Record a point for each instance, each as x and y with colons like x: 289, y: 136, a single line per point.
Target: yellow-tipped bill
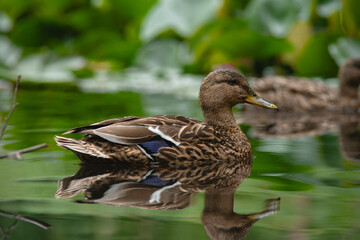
x: 256, y: 100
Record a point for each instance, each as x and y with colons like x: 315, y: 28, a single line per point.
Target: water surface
x: 315, y: 174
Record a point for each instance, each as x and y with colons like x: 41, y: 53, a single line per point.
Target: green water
x: 317, y: 182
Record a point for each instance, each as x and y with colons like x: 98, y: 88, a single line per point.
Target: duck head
x: 228, y: 87
x: 222, y: 89
x: 349, y: 76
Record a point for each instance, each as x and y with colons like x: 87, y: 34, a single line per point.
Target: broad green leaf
x: 304, y: 8
x: 327, y: 7
x: 276, y: 17
x: 37, y: 32
x: 350, y: 18
x: 163, y: 54
x: 315, y: 59
x: 9, y: 53
x: 343, y: 49
x: 14, y: 9
x: 134, y: 9
x: 182, y: 16
x: 247, y: 43
x: 5, y: 22
x: 230, y: 40
x: 104, y: 44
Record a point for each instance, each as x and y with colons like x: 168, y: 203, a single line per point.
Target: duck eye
x: 232, y: 82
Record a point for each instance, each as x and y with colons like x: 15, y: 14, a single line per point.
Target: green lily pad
x: 182, y: 16
x: 343, y: 49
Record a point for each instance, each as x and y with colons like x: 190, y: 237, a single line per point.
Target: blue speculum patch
x: 153, y: 146
x: 155, y: 181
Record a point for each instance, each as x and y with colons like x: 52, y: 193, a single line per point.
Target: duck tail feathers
x: 80, y: 147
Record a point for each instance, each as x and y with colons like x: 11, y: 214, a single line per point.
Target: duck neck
x: 219, y: 200
x: 349, y: 89
x: 349, y: 85
x: 221, y: 116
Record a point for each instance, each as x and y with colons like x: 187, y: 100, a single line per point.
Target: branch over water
x: 13, y: 106
x: 17, y: 154
x: 26, y: 219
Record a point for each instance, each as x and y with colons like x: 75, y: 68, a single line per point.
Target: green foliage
x: 276, y: 17
x: 230, y: 40
x: 343, y: 49
x: 315, y: 58
x: 108, y: 32
x: 151, y: 56
x: 300, y: 35
x: 39, y: 32
x: 184, y: 17
x: 351, y: 18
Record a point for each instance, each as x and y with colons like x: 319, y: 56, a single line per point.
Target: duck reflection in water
x: 349, y: 132
x: 170, y: 187
x: 309, y: 108
x: 294, y: 125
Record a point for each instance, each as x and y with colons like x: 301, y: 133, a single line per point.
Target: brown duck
x: 299, y: 94
x: 172, y: 138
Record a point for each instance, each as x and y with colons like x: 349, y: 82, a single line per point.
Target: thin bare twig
x: 17, y: 154
x: 14, y: 104
x: 26, y: 219
x: 6, y: 233
x: 3, y: 235
x: 12, y: 226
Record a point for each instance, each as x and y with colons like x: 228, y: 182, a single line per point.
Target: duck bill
x: 256, y: 100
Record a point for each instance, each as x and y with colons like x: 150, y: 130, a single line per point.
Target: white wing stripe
x: 156, y: 196
x: 164, y: 136
x: 144, y: 151
x: 146, y: 175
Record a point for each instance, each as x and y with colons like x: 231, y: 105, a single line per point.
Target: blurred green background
x: 140, y: 48
x: 63, y: 40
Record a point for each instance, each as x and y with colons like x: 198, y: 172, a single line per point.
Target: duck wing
x: 100, y: 124
x: 134, y: 130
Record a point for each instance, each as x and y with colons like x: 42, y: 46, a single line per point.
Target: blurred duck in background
x: 300, y: 94
x: 310, y: 108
